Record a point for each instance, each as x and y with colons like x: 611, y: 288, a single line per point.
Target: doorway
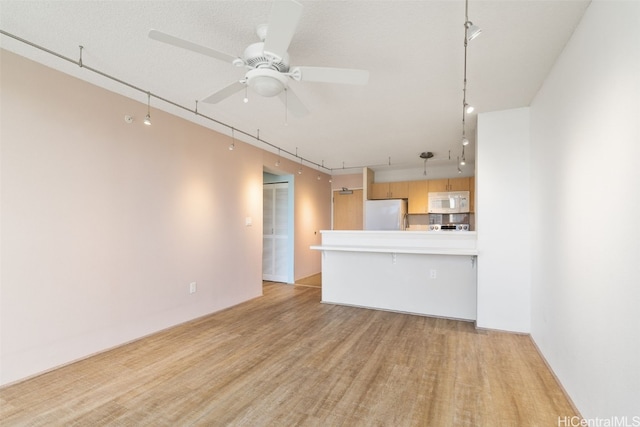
x: 277, y: 228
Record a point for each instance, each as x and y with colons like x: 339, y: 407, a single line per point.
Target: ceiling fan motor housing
x: 255, y: 57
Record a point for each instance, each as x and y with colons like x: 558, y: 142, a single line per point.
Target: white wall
x: 104, y: 224
x: 585, y: 205
x: 502, y: 221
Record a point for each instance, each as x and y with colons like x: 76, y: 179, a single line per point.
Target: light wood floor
x: 314, y: 281
x: 286, y: 359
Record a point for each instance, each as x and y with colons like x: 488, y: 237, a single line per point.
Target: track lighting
x: 147, y: 118
x: 473, y: 31
x: 233, y: 141
x: 300, y: 171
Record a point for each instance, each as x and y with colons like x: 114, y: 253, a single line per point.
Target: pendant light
x: 147, y: 118
x: 232, y: 146
x: 471, y: 31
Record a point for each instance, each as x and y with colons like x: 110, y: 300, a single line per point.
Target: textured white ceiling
x: 413, y: 50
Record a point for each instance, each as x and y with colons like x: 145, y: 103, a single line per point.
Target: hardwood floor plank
x: 286, y: 359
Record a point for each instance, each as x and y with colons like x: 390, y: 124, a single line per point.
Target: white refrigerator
x: 385, y: 214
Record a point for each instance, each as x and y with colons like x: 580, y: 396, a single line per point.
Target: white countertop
x: 409, y: 242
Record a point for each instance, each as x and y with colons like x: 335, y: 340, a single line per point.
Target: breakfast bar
x: 417, y: 272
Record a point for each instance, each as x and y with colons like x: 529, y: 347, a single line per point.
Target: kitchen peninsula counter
x: 420, y: 272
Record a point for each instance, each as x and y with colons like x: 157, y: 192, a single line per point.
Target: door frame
x: 269, y: 177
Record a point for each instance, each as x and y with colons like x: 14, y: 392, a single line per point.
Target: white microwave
x: 449, y: 202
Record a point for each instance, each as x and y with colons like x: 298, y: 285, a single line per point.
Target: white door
x: 275, y: 238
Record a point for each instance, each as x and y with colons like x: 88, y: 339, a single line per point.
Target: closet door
x: 275, y: 228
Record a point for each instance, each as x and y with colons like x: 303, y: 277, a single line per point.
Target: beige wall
x: 349, y: 181
x: 104, y: 224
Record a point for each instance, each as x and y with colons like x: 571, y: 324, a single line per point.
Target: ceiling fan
x: 268, y: 61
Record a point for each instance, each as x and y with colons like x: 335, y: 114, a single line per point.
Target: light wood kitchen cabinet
x: 452, y: 184
x: 418, y: 197
x: 472, y: 194
x: 390, y: 190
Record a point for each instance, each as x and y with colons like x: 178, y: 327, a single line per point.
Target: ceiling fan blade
x: 293, y: 103
x: 283, y: 21
x: 330, y: 75
x: 224, y: 93
x: 185, y: 44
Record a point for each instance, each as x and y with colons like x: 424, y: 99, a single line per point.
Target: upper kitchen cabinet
x: 472, y: 194
x: 390, y: 190
x: 418, y: 197
x: 451, y: 184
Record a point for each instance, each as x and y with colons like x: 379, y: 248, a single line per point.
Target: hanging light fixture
x: 233, y: 141
x: 147, y: 118
x: 426, y: 155
x: 278, y: 161
x: 471, y: 31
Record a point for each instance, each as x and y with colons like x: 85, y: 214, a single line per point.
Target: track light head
x: 147, y: 120
x: 473, y: 30
x: 468, y: 108
x: 465, y: 141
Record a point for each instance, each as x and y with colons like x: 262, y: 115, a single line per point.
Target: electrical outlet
x: 193, y: 287
x: 433, y: 274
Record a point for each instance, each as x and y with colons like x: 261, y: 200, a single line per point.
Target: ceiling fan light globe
x: 266, y: 82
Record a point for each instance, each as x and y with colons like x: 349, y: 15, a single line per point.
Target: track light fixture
x: 147, y: 118
x: 232, y: 146
x: 278, y: 161
x: 471, y: 31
